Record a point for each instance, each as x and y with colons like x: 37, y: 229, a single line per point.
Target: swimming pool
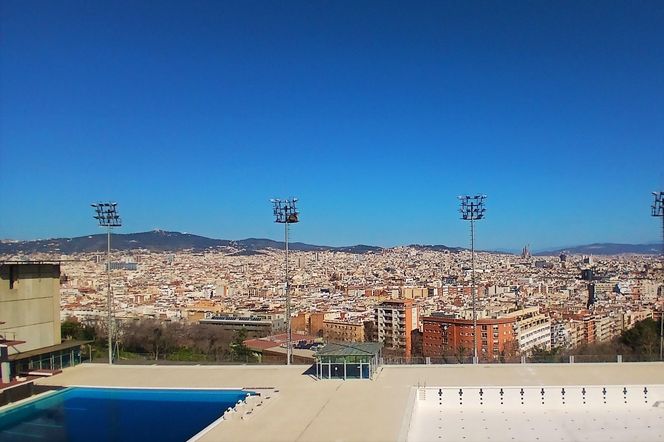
x: 114, y: 414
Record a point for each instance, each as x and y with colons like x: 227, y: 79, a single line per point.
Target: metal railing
x: 226, y: 359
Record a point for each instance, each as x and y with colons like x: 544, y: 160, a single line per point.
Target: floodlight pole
x: 472, y: 285
x: 109, y: 297
x: 289, y: 345
x: 658, y: 211
x: 107, y: 216
x: 285, y: 212
x: 472, y: 209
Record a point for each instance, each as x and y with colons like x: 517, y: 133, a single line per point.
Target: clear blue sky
x: 192, y: 114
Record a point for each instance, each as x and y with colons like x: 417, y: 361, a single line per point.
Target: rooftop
x: 350, y: 349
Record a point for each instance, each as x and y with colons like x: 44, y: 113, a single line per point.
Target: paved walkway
x: 306, y: 409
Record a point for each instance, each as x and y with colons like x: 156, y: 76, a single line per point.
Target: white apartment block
x: 533, y: 329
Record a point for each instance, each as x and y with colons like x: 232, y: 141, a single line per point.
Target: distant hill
x: 164, y: 241
x: 436, y: 248
x: 157, y: 240
x: 605, y: 249
x: 160, y: 240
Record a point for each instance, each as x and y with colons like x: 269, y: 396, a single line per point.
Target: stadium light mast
x: 107, y: 216
x: 658, y: 210
x: 286, y: 213
x: 472, y: 209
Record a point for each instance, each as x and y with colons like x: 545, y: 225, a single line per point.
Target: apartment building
x: 395, y: 320
x: 582, y: 330
x: 630, y: 318
x: 309, y: 323
x: 577, y: 333
x: 501, y: 331
x: 606, y: 328
x: 414, y: 292
x: 560, y: 335
x: 342, y: 331
x: 449, y: 335
x: 533, y: 329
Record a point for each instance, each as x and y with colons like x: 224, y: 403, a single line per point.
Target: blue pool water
x: 116, y: 414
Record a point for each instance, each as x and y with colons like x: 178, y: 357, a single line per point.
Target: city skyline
x: 376, y: 116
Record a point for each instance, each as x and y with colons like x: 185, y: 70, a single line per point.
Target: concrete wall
x: 30, y: 309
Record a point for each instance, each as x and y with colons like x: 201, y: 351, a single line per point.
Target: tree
x: 510, y: 351
x: 541, y: 354
x: 416, y: 349
x: 239, y: 350
x: 643, y: 338
x: 461, y: 353
x: 72, y: 329
x: 370, y: 331
x: 147, y: 336
x: 210, y: 339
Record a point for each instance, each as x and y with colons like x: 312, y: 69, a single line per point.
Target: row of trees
x: 158, y: 340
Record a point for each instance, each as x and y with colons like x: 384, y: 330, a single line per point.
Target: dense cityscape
x: 537, y: 303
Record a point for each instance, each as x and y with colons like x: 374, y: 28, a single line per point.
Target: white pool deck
x: 392, y: 407
x: 588, y: 413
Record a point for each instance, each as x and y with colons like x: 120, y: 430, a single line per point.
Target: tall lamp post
x: 107, y: 216
x: 658, y: 210
x: 472, y: 209
x: 286, y: 213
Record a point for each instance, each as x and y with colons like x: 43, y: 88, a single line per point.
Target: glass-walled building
x: 350, y: 360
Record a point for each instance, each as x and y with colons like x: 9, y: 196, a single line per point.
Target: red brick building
x: 445, y: 336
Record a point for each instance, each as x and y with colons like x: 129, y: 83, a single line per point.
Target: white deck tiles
x: 592, y: 413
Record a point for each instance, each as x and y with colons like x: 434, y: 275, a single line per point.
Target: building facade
x: 255, y: 325
x: 30, y: 305
x: 449, y: 336
x: 533, y: 329
x: 395, y: 320
x: 343, y: 331
x: 30, y: 338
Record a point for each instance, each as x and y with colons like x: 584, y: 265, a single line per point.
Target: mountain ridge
x: 165, y: 241
x: 162, y: 240
x: 604, y: 249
